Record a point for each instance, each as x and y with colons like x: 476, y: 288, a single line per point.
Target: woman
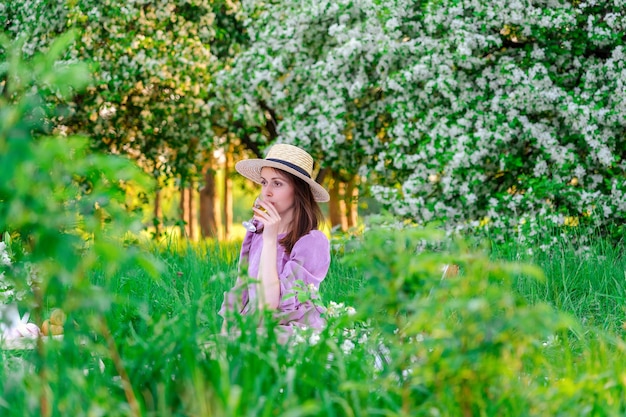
x: 286, y: 254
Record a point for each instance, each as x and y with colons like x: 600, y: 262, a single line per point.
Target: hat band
x: 290, y: 165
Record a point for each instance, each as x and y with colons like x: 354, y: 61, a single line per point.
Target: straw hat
x: 288, y: 158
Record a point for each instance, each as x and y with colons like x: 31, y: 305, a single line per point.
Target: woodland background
x: 511, y: 114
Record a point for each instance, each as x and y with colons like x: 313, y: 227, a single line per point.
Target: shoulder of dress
x: 316, y: 234
x: 315, y: 238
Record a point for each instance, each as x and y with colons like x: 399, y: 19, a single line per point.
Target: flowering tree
x: 149, y: 71
x: 462, y: 111
x: 152, y: 63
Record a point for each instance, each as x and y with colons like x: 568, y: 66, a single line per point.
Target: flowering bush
x: 11, y: 289
x: 496, y: 112
x: 446, y: 344
x: 6, y: 288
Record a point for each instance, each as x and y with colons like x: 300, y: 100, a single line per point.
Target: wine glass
x: 248, y: 224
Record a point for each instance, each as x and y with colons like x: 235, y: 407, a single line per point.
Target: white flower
x: 334, y: 309
x: 314, y: 339
x: 552, y: 340
x: 298, y: 339
x: 349, y: 333
x: 107, y: 111
x: 347, y: 346
x: 4, y: 256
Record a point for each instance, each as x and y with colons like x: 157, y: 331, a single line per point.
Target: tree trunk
x: 228, y: 195
x: 183, y: 207
x: 334, y: 206
x: 191, y: 211
x: 342, y: 206
x: 209, y: 204
x: 352, y: 202
x: 157, y: 214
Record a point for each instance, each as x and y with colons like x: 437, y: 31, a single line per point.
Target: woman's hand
x: 267, y: 214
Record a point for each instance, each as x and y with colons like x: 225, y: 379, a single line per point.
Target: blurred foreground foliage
x: 407, y: 343
x: 62, y: 213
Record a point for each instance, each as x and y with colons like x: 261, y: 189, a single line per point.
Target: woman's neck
x: 286, y: 222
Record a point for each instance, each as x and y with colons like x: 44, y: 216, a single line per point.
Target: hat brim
x: 251, y: 169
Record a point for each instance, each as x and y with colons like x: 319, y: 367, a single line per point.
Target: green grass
x: 497, y: 340
x: 588, y: 281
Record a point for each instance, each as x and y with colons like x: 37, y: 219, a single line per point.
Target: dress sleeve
x: 308, y: 262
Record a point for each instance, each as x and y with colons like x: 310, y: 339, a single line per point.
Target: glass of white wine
x: 248, y: 225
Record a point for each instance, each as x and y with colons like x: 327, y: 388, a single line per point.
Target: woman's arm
x: 268, y: 289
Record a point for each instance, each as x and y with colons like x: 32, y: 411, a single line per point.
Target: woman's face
x: 277, y: 189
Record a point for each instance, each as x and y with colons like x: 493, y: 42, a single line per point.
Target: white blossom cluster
x: 151, y: 65
x: 26, y: 18
x: 6, y: 288
x: 347, y: 337
x: 8, y: 291
x: 474, y: 112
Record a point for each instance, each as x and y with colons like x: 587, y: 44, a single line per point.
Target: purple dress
x: 306, y: 265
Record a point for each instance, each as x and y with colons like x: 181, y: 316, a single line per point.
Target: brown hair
x: 307, y: 214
